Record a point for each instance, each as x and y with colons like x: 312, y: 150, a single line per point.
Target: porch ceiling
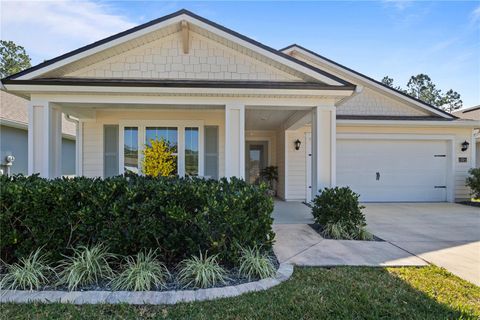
x: 266, y: 119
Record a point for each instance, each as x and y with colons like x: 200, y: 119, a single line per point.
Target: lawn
x: 311, y: 293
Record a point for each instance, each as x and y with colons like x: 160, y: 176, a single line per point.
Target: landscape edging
x: 284, y: 272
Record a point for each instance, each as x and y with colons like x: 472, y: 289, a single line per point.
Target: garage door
x: 393, y: 170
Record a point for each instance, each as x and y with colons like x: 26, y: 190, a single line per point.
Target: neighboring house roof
x: 36, y: 71
x: 368, y: 79
x: 14, y: 113
x: 472, y: 113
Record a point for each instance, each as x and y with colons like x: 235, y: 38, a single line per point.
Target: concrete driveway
x: 445, y: 234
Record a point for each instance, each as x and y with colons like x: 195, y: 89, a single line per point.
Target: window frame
x: 180, y: 125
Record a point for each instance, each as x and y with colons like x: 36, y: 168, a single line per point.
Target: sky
x: 376, y: 38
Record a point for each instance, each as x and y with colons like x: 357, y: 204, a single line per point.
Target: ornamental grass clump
x: 87, y: 266
x: 254, y: 264
x: 201, y: 272
x: 142, y: 272
x: 30, y: 273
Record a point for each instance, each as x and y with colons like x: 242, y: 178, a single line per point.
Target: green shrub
x: 255, y: 264
x: 177, y: 216
x: 201, y: 272
x: 30, y: 273
x: 473, y: 182
x: 336, y: 230
x: 142, y: 272
x: 338, y: 211
x: 87, y: 266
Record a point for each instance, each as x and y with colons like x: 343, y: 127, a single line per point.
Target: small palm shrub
x: 201, y: 272
x: 338, y: 211
x: 86, y: 267
x: 30, y: 273
x: 255, y: 264
x: 473, y: 182
x: 363, y: 234
x: 142, y: 272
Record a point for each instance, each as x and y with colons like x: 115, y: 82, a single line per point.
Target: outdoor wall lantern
x: 465, y: 145
x: 297, y: 144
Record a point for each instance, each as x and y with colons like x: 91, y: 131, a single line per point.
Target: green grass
x: 311, y: 293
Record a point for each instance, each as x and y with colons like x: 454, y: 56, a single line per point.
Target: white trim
x: 410, y: 123
x: 241, y: 144
x: 28, y: 88
x: 367, y: 81
x: 47, y: 149
x: 179, y: 124
x: 285, y: 156
x: 308, y: 164
x: 473, y: 150
x: 79, y: 143
x: 178, y: 19
x: 400, y: 136
x: 333, y: 148
x: 275, y: 102
x: 30, y: 138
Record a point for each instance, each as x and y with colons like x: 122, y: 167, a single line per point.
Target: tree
x: 387, y: 81
x: 451, y: 101
x: 13, y: 58
x: 423, y: 88
x: 158, y: 159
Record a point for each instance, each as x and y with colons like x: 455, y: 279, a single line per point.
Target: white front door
x: 308, y: 157
x: 394, y: 170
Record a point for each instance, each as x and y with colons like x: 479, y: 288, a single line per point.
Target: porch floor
x: 291, y: 212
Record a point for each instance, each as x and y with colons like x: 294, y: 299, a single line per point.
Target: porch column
x: 323, y: 147
x: 44, y: 139
x: 235, y: 140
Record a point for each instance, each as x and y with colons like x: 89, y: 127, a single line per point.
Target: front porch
x: 214, y: 137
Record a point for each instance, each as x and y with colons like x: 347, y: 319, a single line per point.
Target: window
x: 191, y: 151
x: 130, y: 149
x: 169, y: 134
x: 186, y: 138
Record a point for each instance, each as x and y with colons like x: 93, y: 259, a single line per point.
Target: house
x: 14, y: 136
x: 231, y: 105
x: 472, y: 113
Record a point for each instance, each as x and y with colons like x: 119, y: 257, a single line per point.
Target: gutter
x: 411, y: 123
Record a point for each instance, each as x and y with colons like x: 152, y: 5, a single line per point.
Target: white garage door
x: 394, y: 170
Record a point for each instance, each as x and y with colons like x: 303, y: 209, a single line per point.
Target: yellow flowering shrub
x: 158, y: 159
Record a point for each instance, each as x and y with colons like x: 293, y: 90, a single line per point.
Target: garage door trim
x: 450, y: 139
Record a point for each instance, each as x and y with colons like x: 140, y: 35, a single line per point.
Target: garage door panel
x: 407, y: 170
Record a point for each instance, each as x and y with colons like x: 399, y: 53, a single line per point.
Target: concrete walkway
x: 292, y: 212
x: 445, y: 234
x: 301, y: 245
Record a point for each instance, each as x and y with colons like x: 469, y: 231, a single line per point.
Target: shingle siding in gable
x: 164, y: 59
x: 371, y: 103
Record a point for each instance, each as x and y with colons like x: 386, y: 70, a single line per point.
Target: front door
x: 256, y: 160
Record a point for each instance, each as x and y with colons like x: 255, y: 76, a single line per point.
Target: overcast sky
x: 377, y: 38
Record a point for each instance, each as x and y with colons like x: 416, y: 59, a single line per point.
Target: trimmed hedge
x: 179, y: 217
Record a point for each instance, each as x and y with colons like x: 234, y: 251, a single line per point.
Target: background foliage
x: 179, y: 217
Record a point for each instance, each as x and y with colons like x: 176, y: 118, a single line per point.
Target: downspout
x: 78, y: 144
